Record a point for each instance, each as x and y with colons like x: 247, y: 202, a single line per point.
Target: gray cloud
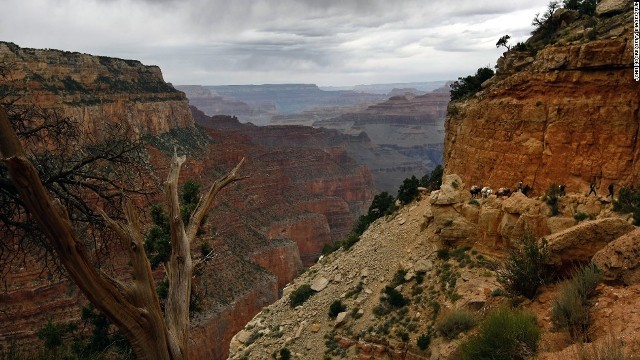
x: 330, y: 42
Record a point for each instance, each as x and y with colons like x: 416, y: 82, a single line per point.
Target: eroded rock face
x: 95, y: 90
x: 569, y: 115
x: 578, y: 244
x: 619, y: 260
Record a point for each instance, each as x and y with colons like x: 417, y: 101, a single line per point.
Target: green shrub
x: 551, y: 195
x: 455, y: 322
x: 474, y: 202
x: 443, y: 254
x: 408, y: 191
x: 403, y: 335
x: 581, y: 216
x: 525, y: 268
x: 395, y: 298
x: 336, y: 308
x: 423, y: 341
x: 469, y: 85
x: 505, y: 334
x: 570, y: 308
x: 285, y: 354
x: 300, y: 295
x: 628, y: 202
x: 433, y: 181
x: 398, y: 278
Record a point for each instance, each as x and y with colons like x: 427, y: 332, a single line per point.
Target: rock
x: 559, y: 223
x: 300, y: 328
x: 578, y: 244
x: 611, y: 7
x: 451, y: 192
x: 340, y: 319
x: 518, y: 203
x: 423, y: 266
x: 409, y: 275
x: 337, y: 278
x: 243, y: 336
x: 319, y: 283
x: 620, y: 259
x: 315, y: 327
x: 401, y: 221
x: 364, y: 273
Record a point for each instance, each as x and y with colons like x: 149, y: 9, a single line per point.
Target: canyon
x: 562, y: 108
x: 299, y: 197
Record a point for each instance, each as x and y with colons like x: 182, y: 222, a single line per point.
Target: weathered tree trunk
x: 134, y: 307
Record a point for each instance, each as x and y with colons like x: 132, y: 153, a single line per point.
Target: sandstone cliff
x: 93, y: 89
x: 566, y: 114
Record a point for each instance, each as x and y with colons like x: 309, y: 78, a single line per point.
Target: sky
x: 325, y: 42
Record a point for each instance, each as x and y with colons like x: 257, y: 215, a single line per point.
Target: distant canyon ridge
x: 397, y: 129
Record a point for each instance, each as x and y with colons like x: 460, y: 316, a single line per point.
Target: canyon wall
x: 407, y: 133
x: 568, y: 114
x: 264, y: 230
x: 94, y: 90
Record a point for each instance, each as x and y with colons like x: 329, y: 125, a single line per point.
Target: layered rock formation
x: 568, y: 114
x: 407, y: 132
x: 94, y: 90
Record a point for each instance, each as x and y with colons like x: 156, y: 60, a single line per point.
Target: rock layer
x: 568, y: 115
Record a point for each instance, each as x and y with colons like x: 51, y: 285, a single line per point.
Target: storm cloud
x: 327, y: 42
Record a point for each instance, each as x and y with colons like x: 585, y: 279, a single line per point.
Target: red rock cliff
x: 569, y: 114
x: 94, y: 89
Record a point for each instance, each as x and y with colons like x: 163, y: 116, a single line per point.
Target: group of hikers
x: 526, y: 190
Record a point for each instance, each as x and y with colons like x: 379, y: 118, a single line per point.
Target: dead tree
x: 134, y: 307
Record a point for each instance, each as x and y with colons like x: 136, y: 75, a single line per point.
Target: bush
x: 395, y: 298
x: 611, y: 349
x: 628, y: 202
x: 285, y: 354
x: 525, y: 268
x: 581, y: 216
x: 455, y: 322
x: 433, y: 181
x: 505, y: 334
x: 423, y: 341
x: 300, y: 295
x: 551, y: 196
x: 336, y: 308
x: 570, y: 308
x: 585, y: 7
x: 469, y: 85
x: 408, y: 191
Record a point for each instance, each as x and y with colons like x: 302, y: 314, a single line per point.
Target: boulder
x: 340, y: 319
x: 558, y: 223
x: 319, y: 283
x: 620, y: 259
x: 578, y: 244
x: 518, y: 203
x: 451, y: 191
x: 611, y: 7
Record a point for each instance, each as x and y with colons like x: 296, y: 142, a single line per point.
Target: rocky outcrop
x: 619, y: 261
x: 94, y: 90
x: 568, y: 115
x: 578, y: 244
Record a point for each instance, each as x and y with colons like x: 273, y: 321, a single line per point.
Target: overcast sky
x: 326, y: 42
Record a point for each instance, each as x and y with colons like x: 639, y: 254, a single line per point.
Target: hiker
x: 592, y: 189
x: 519, y: 186
x: 562, y: 189
x: 611, y: 190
